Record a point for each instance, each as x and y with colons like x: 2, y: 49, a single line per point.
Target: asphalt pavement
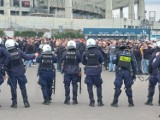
x: 57, y: 110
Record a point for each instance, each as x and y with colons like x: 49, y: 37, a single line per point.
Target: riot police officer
x: 154, y: 67
x: 92, y: 59
x: 125, y: 70
x: 5, y: 58
x: 4, y: 61
x: 46, y: 72
x: 16, y: 72
x: 71, y: 59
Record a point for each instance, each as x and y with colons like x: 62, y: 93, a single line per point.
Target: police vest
x: 71, y: 57
x: 16, y: 59
x: 47, y: 61
x: 92, y: 58
x: 124, y: 61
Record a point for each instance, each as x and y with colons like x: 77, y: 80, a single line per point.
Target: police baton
x: 54, y: 82
x: 159, y: 94
x: 79, y: 80
x: 10, y: 83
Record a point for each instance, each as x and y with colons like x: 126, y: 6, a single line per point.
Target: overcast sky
x: 152, y: 1
x: 151, y: 5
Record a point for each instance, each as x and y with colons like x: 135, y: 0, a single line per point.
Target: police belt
x: 95, y: 66
x: 47, y: 69
x: 123, y: 68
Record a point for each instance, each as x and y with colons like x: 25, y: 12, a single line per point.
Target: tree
x: 28, y: 34
x: 2, y: 33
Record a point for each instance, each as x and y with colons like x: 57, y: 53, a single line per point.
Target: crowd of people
x: 126, y: 58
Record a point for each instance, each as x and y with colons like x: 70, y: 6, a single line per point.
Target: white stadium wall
x: 49, y: 23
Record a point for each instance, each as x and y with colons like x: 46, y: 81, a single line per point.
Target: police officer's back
x: 154, y: 68
x: 16, y: 72
x: 5, y: 58
x: 92, y: 59
x: 4, y: 61
x: 46, y: 72
x: 125, y: 70
x: 70, y: 60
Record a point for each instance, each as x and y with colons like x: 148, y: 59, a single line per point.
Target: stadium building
x: 74, y: 14
x: 75, y: 8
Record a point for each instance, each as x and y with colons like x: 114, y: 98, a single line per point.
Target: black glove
x: 134, y: 77
x: 3, y: 69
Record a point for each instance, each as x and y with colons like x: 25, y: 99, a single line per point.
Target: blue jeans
x: 59, y: 64
x: 145, y: 64
x: 111, y: 65
x: 28, y: 63
x: 139, y: 67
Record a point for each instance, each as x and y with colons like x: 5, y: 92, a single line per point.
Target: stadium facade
x: 72, y: 14
x: 73, y: 8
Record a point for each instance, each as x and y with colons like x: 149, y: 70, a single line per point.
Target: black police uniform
x: 5, y: 58
x: 71, y: 59
x: 125, y: 70
x: 46, y: 72
x: 154, y: 71
x: 16, y: 72
x: 92, y: 59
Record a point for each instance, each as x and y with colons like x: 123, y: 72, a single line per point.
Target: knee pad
x: 129, y: 91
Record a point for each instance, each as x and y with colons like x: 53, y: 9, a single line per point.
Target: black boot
x: 100, y: 103
x: 149, y: 102
x: 14, y: 104
x: 114, y: 103
x: 46, y: 102
x: 75, y: 102
x: 49, y: 100
x: 91, y: 104
x: 67, y: 93
x: 130, y: 101
x: 116, y: 96
x: 67, y: 102
x: 26, y: 104
x: 151, y: 90
x: 99, y: 96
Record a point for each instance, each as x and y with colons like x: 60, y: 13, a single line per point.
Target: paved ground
x: 58, y: 111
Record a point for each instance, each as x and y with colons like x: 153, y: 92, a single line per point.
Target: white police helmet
x: 10, y: 43
x: 71, y: 44
x: 41, y: 46
x: 91, y: 43
x: 46, y: 47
